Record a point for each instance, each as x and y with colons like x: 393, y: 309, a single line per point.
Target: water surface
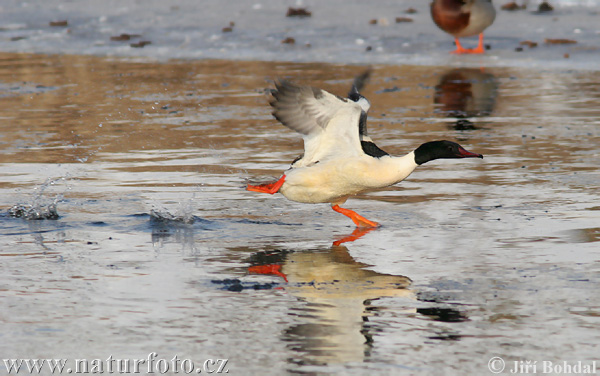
x: 158, y: 248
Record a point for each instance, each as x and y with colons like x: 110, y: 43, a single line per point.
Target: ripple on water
x: 159, y: 245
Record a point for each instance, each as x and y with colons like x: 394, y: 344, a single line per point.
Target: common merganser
x: 464, y: 18
x: 340, y: 160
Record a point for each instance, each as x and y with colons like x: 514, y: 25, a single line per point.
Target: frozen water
x: 338, y: 32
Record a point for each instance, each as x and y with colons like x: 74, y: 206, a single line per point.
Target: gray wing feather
x: 303, y: 108
x: 328, y: 123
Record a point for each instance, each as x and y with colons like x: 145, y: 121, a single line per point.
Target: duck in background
x: 464, y: 18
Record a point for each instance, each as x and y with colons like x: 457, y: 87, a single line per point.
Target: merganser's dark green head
x: 442, y: 150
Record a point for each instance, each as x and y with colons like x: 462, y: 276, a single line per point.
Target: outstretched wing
x: 328, y: 123
x: 360, y: 82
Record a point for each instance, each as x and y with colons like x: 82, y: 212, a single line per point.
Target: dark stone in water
x: 61, y: 23
x: 443, y: 314
x: 237, y: 287
x: 390, y: 90
x: 545, y: 7
x: 226, y: 281
x: 263, y: 286
x: 298, y: 12
x: 234, y: 284
x: 140, y: 44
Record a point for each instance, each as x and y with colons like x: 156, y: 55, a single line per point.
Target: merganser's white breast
x: 336, y: 179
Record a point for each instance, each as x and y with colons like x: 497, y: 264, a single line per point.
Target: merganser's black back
x: 368, y: 146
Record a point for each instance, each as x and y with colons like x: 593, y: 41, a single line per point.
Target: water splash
x: 183, y: 213
x: 34, y: 212
x: 162, y: 215
x: 41, y: 206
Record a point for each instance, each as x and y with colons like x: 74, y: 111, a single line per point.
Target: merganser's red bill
x: 464, y: 153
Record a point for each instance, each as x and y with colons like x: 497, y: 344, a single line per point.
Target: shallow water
x: 158, y: 247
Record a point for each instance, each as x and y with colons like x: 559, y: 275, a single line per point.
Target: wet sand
x: 158, y: 247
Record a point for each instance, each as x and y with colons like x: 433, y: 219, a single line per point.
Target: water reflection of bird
x: 464, y: 18
x: 340, y: 160
x: 465, y: 93
x: 333, y: 325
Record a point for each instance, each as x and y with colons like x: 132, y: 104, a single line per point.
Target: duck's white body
x: 334, y: 179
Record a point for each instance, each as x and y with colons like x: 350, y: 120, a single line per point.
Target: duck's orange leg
x: 479, y: 49
x: 461, y: 50
x: 270, y: 188
x: 359, y: 220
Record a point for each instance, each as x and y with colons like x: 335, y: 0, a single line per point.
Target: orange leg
x: 479, y: 49
x: 357, y: 219
x: 358, y: 233
x: 461, y: 50
x: 270, y: 188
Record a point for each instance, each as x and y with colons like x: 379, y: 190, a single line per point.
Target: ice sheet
x: 337, y: 31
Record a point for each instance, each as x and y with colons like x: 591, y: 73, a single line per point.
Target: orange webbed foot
x: 270, y: 188
x: 461, y: 50
x: 468, y: 51
x: 358, y: 220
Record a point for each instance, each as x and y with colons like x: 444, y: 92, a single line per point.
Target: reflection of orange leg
x: 271, y: 269
x: 358, y: 233
x: 357, y: 219
x: 269, y: 188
